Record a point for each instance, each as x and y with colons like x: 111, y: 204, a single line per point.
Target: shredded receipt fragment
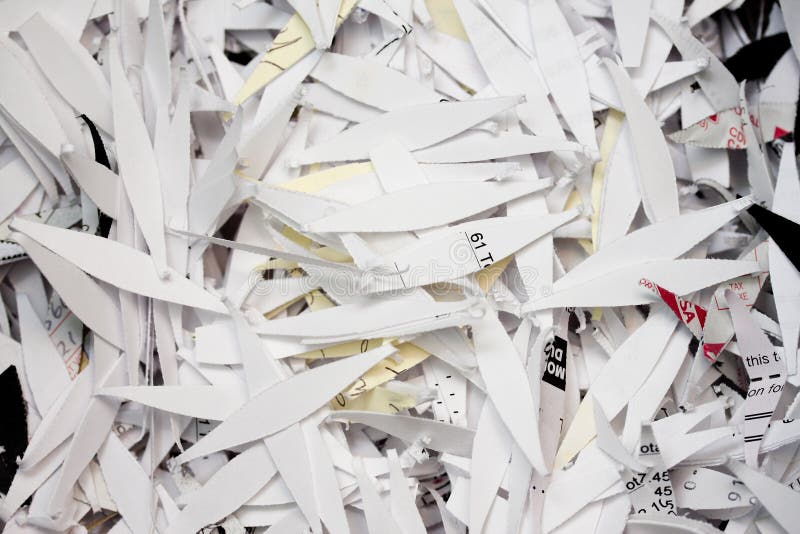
x: 399, y: 266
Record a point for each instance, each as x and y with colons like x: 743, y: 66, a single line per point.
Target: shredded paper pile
x: 399, y: 266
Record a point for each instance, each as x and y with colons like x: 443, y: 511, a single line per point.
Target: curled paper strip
x: 399, y: 266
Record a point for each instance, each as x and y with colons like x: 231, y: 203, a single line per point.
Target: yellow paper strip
x: 348, y: 348
x: 611, y: 131
x: 311, y: 183
x: 326, y: 253
x: 276, y: 263
x: 446, y: 19
x: 487, y: 276
x: 271, y: 314
x: 409, y: 356
x: 291, y: 45
x: 379, y: 400
x: 580, y: 433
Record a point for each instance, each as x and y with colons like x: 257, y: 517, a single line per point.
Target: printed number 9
x: 476, y: 237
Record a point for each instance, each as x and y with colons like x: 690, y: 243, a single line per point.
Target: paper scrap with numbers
x: 399, y: 267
